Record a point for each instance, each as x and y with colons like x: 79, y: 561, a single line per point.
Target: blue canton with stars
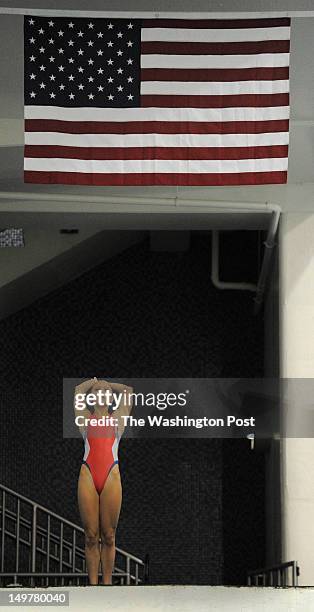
x: 82, y: 62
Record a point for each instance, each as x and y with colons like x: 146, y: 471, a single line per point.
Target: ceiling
x: 212, y: 6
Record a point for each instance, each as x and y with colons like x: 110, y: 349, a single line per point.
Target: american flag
x: 156, y: 102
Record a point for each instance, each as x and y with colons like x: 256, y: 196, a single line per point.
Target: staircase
x: 281, y: 575
x: 40, y: 548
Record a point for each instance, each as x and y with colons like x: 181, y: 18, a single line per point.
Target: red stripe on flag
x: 176, y: 153
x: 216, y: 48
x: 217, y: 179
x: 228, y: 24
x: 215, y: 74
x: 224, y: 101
x: 156, y: 127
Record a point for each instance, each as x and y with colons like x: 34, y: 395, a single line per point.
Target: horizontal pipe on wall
x: 173, y: 201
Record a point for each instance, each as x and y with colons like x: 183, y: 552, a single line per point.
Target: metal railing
x: 281, y: 575
x: 40, y: 548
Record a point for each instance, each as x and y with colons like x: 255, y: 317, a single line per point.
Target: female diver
x: 99, y: 484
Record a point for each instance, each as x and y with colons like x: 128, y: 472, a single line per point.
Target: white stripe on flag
x: 214, y: 88
x: 156, y: 140
x: 255, y: 60
x: 157, y: 114
x: 156, y: 166
x: 212, y: 35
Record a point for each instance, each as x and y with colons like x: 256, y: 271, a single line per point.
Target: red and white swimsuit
x: 101, y: 452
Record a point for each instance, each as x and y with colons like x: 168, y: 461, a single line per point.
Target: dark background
x: 197, y: 506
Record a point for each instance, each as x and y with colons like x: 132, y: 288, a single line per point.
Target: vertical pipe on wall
x: 240, y: 286
x: 269, y: 246
x: 275, y: 211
